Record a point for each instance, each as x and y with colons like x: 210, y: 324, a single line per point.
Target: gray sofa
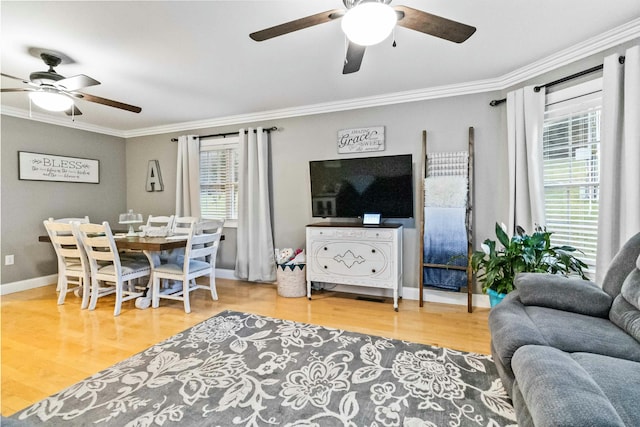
x: 568, y: 351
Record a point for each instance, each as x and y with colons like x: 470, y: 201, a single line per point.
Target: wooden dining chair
x: 158, y: 225
x: 209, y: 226
x: 199, y: 260
x: 184, y: 224
x: 68, y: 220
x: 73, y: 265
x: 107, y: 267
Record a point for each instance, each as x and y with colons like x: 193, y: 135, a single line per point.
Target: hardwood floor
x: 47, y: 347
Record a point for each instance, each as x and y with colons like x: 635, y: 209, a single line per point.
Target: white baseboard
x: 223, y: 273
x: 23, y: 285
x: 444, y: 297
x: 430, y: 295
x: 38, y: 282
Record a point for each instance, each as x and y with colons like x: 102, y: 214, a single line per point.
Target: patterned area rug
x: 248, y: 370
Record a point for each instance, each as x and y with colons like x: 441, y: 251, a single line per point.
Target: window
x: 571, y: 146
x: 219, y: 179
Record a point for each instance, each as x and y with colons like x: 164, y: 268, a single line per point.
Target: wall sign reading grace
x: 48, y: 167
x: 361, y: 139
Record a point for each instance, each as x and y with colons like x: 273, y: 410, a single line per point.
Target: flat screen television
x: 347, y: 188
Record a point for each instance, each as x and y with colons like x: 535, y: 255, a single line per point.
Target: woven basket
x: 291, y: 280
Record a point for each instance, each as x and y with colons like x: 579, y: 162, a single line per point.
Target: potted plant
x: 496, y: 268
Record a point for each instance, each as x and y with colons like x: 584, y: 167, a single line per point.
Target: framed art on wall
x: 361, y: 140
x: 49, y: 167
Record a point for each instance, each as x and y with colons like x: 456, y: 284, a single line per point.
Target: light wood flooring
x: 47, y: 347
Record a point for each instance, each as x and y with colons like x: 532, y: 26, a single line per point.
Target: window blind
x: 219, y: 179
x: 571, y: 148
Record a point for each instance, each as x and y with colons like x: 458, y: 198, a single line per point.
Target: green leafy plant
x: 496, y: 268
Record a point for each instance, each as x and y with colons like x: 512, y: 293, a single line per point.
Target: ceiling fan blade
x: 105, y: 101
x: 75, y: 112
x: 352, y: 62
x: 16, y: 78
x: 298, y: 24
x: 24, y: 89
x: 76, y: 82
x: 434, y: 25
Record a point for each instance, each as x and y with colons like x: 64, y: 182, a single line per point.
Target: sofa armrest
x: 563, y: 293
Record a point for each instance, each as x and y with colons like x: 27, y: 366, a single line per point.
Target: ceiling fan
x: 54, y: 92
x: 372, y: 16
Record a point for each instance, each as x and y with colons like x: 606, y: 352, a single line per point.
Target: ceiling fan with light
x: 52, y: 91
x: 369, y: 22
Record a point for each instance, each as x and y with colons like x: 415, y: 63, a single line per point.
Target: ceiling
x: 192, y: 64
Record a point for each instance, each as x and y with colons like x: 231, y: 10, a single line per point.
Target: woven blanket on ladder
x: 445, y: 229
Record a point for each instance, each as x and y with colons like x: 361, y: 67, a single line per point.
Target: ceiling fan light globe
x: 369, y: 23
x: 52, y: 101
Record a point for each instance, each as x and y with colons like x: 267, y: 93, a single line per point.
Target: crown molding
x: 592, y: 46
x: 327, y: 107
x: 59, y: 121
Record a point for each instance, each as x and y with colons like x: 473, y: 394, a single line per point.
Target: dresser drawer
x: 379, y: 234
x: 350, y: 233
x: 321, y: 232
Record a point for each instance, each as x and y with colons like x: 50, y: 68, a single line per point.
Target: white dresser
x: 350, y: 254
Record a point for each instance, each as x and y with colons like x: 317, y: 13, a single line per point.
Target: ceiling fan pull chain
x: 394, y: 37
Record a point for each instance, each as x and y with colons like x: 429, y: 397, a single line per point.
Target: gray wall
x: 25, y: 204
x: 301, y: 139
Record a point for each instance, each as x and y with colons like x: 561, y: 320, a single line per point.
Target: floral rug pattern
x: 239, y: 369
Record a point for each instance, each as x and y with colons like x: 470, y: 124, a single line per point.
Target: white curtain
x: 188, y: 176
x: 525, y: 115
x: 619, y: 216
x: 254, y: 258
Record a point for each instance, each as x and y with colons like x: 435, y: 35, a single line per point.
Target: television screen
x: 347, y: 188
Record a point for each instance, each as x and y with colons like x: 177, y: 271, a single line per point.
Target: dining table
x: 149, y: 246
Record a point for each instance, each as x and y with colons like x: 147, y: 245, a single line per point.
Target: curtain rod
x: 496, y: 102
x: 224, y: 135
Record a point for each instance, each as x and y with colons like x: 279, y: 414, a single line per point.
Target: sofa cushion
x: 626, y: 316
x: 514, y: 325
x: 619, y: 380
x: 559, y: 392
x: 625, y: 310
x: 563, y: 293
x: 576, y: 332
x: 631, y: 288
x: 621, y: 265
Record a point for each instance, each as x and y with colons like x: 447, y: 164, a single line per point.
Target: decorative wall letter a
x: 154, y: 177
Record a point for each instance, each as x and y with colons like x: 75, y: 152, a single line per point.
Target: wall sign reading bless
x: 48, y: 167
x: 361, y: 139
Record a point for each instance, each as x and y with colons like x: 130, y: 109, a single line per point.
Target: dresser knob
x: 373, y: 251
x: 325, y: 248
x: 373, y: 270
x: 326, y: 266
